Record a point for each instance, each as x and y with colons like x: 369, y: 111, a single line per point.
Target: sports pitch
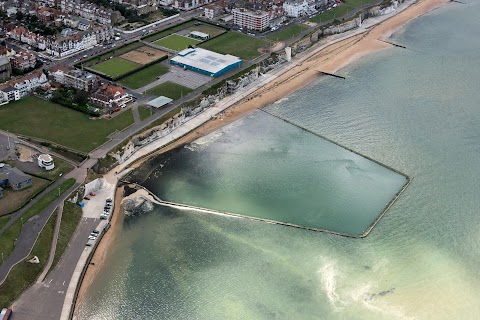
x: 176, y: 42
x: 115, y: 66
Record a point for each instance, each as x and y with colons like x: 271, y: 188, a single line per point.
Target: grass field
x: 213, y: 31
x: 115, y: 67
x: 145, y: 112
x: 334, y: 13
x: 114, y: 52
x: 70, y: 218
x: 7, y: 238
x: 32, y: 116
x: 237, y: 44
x: 176, y: 42
x: 144, y: 76
x: 13, y: 200
x: 287, y: 33
x: 24, y: 274
x: 161, y: 34
x: 169, y: 89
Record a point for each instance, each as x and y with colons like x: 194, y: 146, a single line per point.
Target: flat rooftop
x: 204, y: 59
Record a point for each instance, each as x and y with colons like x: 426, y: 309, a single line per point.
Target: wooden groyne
x: 393, y: 44
x: 331, y: 74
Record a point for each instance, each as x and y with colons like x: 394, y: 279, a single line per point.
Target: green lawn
x: 7, y: 238
x: 213, y: 31
x: 357, y: 3
x: 145, y: 112
x: 287, y: 33
x: 35, y: 117
x: 25, y: 274
x: 144, y: 76
x: 169, y: 89
x: 114, y: 52
x: 161, y: 34
x: 334, y: 13
x: 115, y: 67
x: 237, y: 44
x: 71, y: 216
x: 176, y: 42
x: 61, y: 167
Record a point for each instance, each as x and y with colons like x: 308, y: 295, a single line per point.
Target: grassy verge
x: 25, y: 274
x: 169, y: 89
x: 4, y: 221
x: 13, y: 200
x: 145, y: 112
x: 70, y: 218
x: 7, y: 238
x: 34, y: 117
x: 334, y: 13
x: 144, y: 76
x: 287, y: 33
x: 237, y: 44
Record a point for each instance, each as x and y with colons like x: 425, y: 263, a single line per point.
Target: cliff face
x: 137, y: 203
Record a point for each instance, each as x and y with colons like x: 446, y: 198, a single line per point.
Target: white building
x: 46, y: 161
x: 250, y: 20
x: 3, y: 98
x: 295, y: 8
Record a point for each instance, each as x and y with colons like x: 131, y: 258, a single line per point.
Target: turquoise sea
x: 416, y: 110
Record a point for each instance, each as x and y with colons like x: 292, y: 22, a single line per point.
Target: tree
x: 19, y: 15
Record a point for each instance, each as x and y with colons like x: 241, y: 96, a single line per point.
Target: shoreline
x: 331, y: 58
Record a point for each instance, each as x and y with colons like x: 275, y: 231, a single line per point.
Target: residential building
x: 13, y: 177
x: 6, y: 52
x: 47, y: 14
x: 250, y: 20
x: 212, y: 11
x: 82, y: 80
x: 91, y: 11
x: 23, y: 60
x: 3, y: 98
x: 5, y: 68
x: 26, y: 84
x: 189, y: 4
x: 295, y: 8
x: 13, y: 94
x: 77, y: 23
x: 110, y: 96
x: 142, y: 6
x: 103, y: 33
x: 65, y: 45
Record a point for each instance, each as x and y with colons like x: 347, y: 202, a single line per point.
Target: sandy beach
x: 330, y: 59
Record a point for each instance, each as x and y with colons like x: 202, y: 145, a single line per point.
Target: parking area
x: 95, y: 206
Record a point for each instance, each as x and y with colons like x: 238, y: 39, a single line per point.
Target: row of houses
x: 68, y: 42
x: 23, y: 86
x: 91, y: 11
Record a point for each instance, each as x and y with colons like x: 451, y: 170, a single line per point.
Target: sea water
x: 261, y: 166
x: 417, y: 110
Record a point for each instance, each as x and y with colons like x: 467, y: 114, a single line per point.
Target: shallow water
x: 416, y: 110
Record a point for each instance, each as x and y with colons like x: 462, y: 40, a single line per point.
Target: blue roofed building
x: 13, y: 177
x: 206, y: 62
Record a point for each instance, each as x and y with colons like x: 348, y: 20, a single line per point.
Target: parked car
x: 92, y: 194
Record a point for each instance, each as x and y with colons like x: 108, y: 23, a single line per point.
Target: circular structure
x: 46, y: 161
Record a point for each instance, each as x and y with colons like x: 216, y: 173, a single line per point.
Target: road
x: 44, y: 301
